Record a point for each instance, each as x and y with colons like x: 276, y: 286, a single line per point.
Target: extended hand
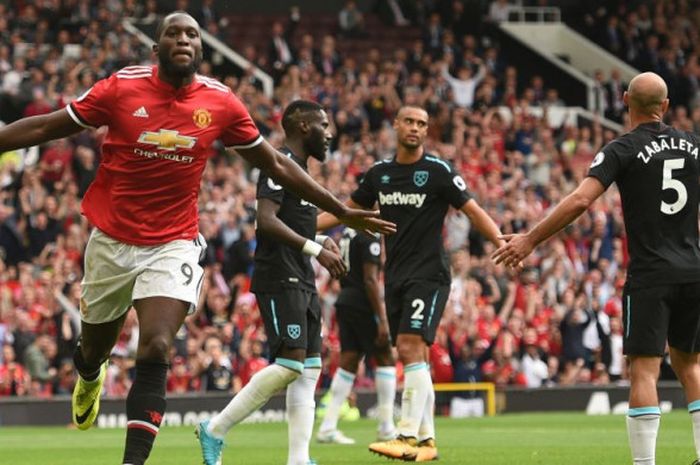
x: 332, y: 262
x: 367, y: 221
x: 516, y: 248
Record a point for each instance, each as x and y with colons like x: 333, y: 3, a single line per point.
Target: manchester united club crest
x: 201, y: 118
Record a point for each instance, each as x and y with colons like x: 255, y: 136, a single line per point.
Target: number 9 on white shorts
x: 116, y: 274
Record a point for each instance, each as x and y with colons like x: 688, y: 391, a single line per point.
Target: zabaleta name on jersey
x: 666, y: 143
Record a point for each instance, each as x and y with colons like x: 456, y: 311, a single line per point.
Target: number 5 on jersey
x: 669, y: 183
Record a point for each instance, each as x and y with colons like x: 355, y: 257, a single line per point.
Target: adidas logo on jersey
x: 140, y: 113
x: 400, y: 198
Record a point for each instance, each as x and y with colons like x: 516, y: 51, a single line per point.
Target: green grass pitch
x: 514, y: 439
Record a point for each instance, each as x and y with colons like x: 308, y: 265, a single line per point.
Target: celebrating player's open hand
x: 367, y: 221
x: 516, y: 248
x: 332, y: 261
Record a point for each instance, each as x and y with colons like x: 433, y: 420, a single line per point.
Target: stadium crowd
x: 651, y: 36
x: 556, y: 322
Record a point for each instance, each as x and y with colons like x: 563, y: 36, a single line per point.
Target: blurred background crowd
x: 558, y: 322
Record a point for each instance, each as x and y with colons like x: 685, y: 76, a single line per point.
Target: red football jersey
x: 146, y: 188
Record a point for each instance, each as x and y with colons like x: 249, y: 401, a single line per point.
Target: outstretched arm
x: 327, y: 221
x: 287, y: 173
x: 520, y: 246
x: 35, y: 130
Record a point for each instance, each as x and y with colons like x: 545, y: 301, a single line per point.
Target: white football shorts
x: 116, y: 274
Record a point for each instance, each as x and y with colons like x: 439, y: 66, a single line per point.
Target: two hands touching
x: 513, y: 250
x: 330, y: 259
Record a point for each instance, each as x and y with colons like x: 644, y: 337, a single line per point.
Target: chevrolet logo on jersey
x: 166, y: 139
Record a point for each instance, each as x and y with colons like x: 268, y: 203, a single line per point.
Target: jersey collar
x: 410, y: 164
x: 654, y: 126
x: 299, y: 161
x: 169, y: 87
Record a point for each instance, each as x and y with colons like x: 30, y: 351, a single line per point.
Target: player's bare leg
x: 644, y: 414
x: 417, y: 384
x: 342, y: 383
x: 687, y: 368
x: 96, y: 342
x: 159, y: 320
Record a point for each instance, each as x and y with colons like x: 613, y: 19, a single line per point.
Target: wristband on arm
x: 312, y: 248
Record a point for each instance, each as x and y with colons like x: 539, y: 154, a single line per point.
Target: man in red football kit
x: 145, y: 247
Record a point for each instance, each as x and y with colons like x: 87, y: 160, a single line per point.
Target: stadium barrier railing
x: 188, y: 409
x: 488, y: 388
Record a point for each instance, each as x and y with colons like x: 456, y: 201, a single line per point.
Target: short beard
x: 410, y: 145
x: 317, y: 151
x: 179, y: 71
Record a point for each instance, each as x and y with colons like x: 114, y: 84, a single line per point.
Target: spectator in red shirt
x: 253, y: 363
x: 440, y: 362
x: 39, y: 105
x: 14, y: 379
x: 55, y: 161
x: 179, y: 378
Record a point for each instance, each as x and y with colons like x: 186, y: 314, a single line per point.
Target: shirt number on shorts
x: 418, y: 305
x: 187, y: 271
x: 669, y: 183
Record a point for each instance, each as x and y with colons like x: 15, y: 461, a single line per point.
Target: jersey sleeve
x: 371, y: 249
x: 240, y: 131
x: 268, y: 189
x: 94, y: 108
x: 365, y: 194
x: 453, y: 188
x: 606, y: 165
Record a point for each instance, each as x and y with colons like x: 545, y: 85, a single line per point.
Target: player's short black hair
x: 161, y: 24
x: 410, y: 105
x: 297, y: 109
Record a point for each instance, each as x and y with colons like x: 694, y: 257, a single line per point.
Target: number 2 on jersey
x: 669, y: 183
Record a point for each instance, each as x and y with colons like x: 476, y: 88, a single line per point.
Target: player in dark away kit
x: 285, y: 288
x: 364, y: 330
x: 414, y: 190
x: 656, y: 170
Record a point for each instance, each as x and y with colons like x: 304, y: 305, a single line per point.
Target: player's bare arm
x: 482, y: 221
x: 370, y: 273
x: 519, y: 246
x: 270, y: 225
x: 327, y: 220
x: 292, y: 177
x: 36, y: 130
